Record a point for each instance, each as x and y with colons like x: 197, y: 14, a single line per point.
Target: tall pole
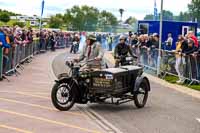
x: 42, y: 10
x: 160, y: 39
x: 40, y: 27
x: 155, y: 11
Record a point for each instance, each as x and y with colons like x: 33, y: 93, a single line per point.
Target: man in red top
x: 194, y: 38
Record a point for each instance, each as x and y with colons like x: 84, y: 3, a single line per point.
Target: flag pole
x: 42, y: 9
x: 40, y: 25
x: 155, y: 11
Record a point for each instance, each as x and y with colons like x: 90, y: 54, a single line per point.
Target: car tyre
x: 143, y: 90
x: 67, y: 97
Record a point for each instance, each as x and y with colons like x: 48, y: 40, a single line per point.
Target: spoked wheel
x: 141, y: 96
x: 62, y: 97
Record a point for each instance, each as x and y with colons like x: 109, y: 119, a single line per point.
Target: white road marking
x: 100, y: 120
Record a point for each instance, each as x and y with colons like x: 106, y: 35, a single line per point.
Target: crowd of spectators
x: 55, y: 39
x: 186, y: 54
x: 11, y: 37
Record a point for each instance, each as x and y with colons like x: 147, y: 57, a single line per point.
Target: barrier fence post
x: 1, y: 62
x: 31, y: 49
x: 9, y: 66
x: 198, y: 62
x: 197, y: 68
x: 15, y: 58
x: 18, y: 54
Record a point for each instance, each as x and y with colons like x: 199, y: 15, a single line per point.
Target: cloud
x: 2, y: 3
x: 132, y: 7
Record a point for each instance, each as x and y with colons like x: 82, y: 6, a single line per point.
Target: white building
x: 33, y: 20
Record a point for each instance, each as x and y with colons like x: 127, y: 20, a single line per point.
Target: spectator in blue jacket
x: 4, y: 45
x: 3, y: 39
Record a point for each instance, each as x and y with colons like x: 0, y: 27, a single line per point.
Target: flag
x: 155, y: 11
x: 42, y: 10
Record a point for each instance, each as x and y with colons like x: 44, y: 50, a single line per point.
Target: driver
x: 92, y: 52
x: 122, y: 49
x: 75, y: 45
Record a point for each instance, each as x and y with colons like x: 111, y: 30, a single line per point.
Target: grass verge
x: 173, y: 79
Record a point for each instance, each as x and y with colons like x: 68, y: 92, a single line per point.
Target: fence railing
x: 148, y: 58
x: 17, y: 55
x: 1, y: 62
x: 189, y: 66
x: 23, y: 53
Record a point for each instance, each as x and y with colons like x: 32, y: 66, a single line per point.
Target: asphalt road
x: 167, y: 110
x: 26, y: 107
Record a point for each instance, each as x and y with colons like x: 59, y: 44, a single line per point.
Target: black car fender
x: 63, y: 80
x: 138, y: 81
x: 75, y: 85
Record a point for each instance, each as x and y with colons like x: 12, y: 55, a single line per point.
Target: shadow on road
x: 116, y: 108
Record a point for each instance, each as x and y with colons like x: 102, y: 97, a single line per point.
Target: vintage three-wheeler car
x: 107, y: 86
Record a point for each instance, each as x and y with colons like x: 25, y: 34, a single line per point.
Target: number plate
x: 102, y: 82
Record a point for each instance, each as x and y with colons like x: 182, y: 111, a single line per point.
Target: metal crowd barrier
x: 60, y: 42
x: 36, y: 47
x: 21, y: 54
x: 17, y: 56
x: 190, y: 63
x: 1, y: 62
x: 67, y: 42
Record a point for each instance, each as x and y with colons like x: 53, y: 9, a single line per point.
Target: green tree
x: 4, y: 17
x: 184, y: 16
x: 107, y: 20
x: 167, y: 15
x: 56, y: 21
x: 181, y: 16
x: 131, y: 20
x: 194, y: 9
x: 82, y: 18
x: 20, y: 24
x: 9, y: 13
x: 148, y: 17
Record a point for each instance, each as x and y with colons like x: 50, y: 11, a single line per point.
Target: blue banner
x: 42, y: 10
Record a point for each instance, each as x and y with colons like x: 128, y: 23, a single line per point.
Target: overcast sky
x: 137, y: 8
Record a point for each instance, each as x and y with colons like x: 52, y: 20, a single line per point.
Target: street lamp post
x: 160, y: 39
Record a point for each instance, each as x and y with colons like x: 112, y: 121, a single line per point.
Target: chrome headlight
x: 87, y: 80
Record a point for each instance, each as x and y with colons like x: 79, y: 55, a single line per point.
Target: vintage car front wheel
x: 141, y: 96
x: 62, y: 97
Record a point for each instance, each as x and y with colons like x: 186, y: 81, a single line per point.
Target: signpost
x: 160, y: 39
